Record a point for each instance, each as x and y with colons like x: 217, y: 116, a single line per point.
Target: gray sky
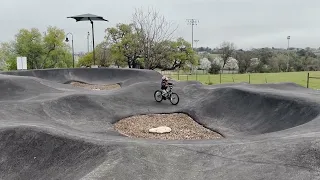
x: 247, y: 23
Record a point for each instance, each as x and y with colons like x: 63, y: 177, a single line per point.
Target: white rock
x: 160, y: 130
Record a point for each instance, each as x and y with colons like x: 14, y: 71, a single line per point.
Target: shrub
x: 214, y: 69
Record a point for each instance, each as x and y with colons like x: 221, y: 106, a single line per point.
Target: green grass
x: 255, y: 78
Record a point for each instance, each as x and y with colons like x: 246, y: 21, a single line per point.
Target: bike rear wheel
x: 158, y: 95
x: 174, y: 99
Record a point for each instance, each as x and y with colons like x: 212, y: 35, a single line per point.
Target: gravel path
x: 183, y: 127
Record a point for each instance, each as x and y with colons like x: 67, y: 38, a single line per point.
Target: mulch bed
x: 96, y: 86
x: 182, y: 125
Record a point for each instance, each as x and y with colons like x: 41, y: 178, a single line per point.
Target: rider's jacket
x: 163, y: 83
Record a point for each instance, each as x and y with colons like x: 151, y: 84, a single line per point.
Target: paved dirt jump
x: 50, y: 129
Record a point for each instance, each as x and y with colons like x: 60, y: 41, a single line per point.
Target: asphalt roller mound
x: 30, y: 153
x: 52, y: 130
x: 250, y: 112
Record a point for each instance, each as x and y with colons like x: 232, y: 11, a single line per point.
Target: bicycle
x: 169, y: 95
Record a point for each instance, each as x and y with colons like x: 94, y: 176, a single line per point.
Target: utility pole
x: 288, y: 38
x: 192, y: 22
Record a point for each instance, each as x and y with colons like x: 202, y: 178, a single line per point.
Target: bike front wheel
x: 158, y: 95
x: 174, y: 99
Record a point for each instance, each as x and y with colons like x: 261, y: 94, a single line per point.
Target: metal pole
x: 72, y: 52
x: 192, y: 35
x: 88, y: 42
x: 196, y: 41
x: 71, y: 45
x: 192, y: 22
x: 288, y: 38
x: 308, y: 77
x: 94, y: 59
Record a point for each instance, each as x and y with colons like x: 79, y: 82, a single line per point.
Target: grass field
x: 255, y: 78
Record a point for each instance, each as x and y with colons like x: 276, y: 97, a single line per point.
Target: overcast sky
x: 247, y: 23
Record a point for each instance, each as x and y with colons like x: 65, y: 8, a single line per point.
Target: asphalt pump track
x: 52, y: 130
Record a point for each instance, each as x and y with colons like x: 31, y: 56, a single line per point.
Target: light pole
x: 196, y: 41
x: 67, y: 40
x: 288, y: 38
x: 88, y: 36
x: 192, y: 22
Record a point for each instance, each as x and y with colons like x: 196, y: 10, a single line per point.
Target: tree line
x: 147, y: 42
x: 263, y: 60
x: 43, y: 50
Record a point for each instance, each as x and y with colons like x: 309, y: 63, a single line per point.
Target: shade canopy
x: 91, y: 18
x: 88, y: 17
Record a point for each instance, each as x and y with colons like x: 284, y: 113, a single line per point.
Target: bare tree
x: 226, y: 49
x: 152, y: 29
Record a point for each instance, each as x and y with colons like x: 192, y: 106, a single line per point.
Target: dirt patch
x: 182, y: 125
x: 96, y: 86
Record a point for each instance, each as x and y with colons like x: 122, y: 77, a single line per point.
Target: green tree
x: 103, y: 54
x: 48, y: 51
x: 244, y: 59
x: 86, y: 60
x: 55, y: 52
x: 279, y: 63
x: 125, y: 44
x: 8, y: 56
x: 307, y: 57
x: 29, y: 44
x: 178, y: 55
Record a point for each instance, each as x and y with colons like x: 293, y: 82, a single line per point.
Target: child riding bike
x: 164, y: 85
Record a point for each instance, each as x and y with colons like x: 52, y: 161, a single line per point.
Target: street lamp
x: 67, y: 40
x: 288, y: 38
x: 88, y: 36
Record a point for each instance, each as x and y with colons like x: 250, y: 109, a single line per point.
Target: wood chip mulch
x: 96, y: 86
x: 182, y: 125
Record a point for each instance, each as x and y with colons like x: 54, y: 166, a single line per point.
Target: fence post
x: 308, y: 77
x: 249, y: 79
x: 187, y: 77
x: 220, y: 77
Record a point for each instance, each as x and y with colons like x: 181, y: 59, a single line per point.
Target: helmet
x: 165, y: 78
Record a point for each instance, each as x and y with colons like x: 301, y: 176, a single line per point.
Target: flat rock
x: 160, y: 130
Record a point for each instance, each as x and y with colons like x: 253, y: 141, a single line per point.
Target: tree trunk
x: 134, y: 64
x: 129, y: 64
